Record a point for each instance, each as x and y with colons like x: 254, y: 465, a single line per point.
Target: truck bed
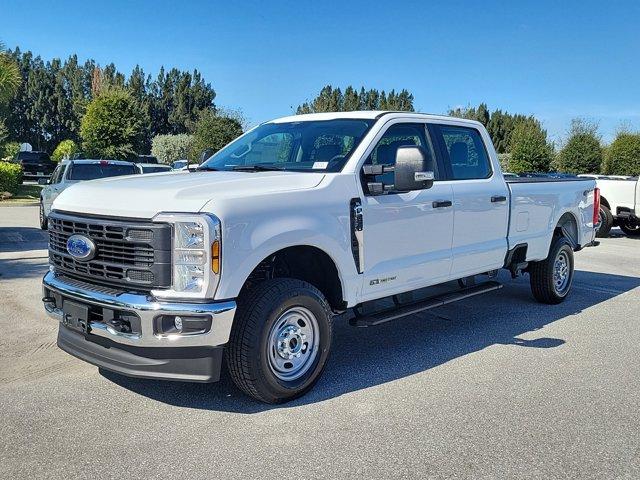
x: 538, y: 203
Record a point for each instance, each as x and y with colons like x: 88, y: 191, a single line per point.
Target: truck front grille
x: 132, y: 253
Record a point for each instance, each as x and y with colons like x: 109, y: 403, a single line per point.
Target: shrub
x: 10, y: 177
x: 212, y: 133
x: 169, y: 148
x: 65, y: 149
x: 582, y: 152
x: 623, y: 155
x: 530, y: 151
x: 9, y: 149
x: 113, y: 126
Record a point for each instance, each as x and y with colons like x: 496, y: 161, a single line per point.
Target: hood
x: 144, y: 196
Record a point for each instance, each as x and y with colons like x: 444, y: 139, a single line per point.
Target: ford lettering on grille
x: 81, y: 247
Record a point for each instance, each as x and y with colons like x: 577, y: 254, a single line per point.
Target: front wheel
x: 551, y: 278
x: 280, y: 340
x: 42, y: 217
x: 631, y: 229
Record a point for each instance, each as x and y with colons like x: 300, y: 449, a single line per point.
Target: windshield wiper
x: 257, y: 168
x: 205, y: 169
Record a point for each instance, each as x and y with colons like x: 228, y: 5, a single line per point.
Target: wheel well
x: 303, y: 263
x: 568, y: 227
x: 604, y: 202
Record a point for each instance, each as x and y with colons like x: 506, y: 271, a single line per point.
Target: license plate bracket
x: 75, y: 316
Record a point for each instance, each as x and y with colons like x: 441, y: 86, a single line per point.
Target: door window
x: 398, y: 135
x: 465, y: 152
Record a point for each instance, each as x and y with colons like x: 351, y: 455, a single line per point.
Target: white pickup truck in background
x: 251, y: 256
x: 619, y: 203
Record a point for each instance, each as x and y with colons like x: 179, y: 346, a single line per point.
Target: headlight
x: 196, y: 255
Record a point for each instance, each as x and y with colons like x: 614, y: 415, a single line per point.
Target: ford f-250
x: 251, y: 256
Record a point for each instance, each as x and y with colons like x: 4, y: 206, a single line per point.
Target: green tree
x: 213, y: 132
x: 169, y: 148
x: 65, y: 149
x: 10, y: 77
x: 582, y: 152
x: 332, y: 99
x: 530, y: 150
x: 113, y: 126
x: 623, y: 155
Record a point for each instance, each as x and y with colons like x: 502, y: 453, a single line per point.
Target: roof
x: 85, y: 161
x: 368, y: 115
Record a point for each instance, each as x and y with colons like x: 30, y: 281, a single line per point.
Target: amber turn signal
x: 215, y: 257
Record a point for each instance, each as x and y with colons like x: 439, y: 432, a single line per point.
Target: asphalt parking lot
x: 492, y: 387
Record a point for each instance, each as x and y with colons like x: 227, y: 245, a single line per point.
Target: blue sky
x: 554, y: 59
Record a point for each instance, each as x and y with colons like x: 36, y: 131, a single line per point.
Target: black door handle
x: 441, y: 203
x: 498, y: 198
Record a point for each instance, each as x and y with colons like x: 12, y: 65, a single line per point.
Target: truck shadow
x: 365, y: 358
x: 22, y: 239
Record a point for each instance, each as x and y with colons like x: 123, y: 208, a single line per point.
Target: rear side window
x: 464, y: 151
x: 91, y: 171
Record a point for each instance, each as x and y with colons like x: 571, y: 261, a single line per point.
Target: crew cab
x: 35, y: 165
x: 377, y: 215
x: 70, y: 172
x: 619, y: 203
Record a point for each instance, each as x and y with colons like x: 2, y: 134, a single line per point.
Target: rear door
x: 407, y: 236
x: 480, y: 200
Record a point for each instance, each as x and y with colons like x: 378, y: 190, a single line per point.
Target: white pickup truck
x: 619, y: 203
x: 301, y: 218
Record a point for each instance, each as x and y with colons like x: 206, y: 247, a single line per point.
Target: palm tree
x: 10, y: 76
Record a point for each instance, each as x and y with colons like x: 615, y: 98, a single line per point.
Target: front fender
x: 246, y: 244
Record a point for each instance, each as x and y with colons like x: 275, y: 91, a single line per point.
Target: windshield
x: 322, y: 145
x: 91, y: 171
x: 33, y: 157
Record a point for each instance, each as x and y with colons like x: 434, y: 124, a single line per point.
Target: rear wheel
x: 631, y: 229
x: 280, y: 340
x: 551, y: 278
x: 606, y: 222
x: 43, y: 217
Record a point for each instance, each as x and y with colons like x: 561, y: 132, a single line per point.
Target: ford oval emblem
x: 81, y: 247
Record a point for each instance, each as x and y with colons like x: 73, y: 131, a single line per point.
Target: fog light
x: 182, y: 324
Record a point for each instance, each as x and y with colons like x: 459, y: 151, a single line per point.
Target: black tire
x: 606, y: 222
x: 248, y: 353
x: 633, y: 230
x: 544, y: 287
x: 44, y: 223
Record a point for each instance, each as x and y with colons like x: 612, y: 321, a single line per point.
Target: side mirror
x: 411, y: 169
x: 43, y: 181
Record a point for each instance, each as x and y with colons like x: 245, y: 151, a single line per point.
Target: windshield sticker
x: 320, y: 165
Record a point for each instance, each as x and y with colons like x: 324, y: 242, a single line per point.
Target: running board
x: 433, y: 302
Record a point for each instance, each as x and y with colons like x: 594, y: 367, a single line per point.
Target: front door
x: 407, y: 236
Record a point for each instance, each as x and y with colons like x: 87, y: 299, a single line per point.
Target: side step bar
x: 429, y: 303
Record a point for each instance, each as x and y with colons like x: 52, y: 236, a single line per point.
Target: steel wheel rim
x: 293, y: 343
x: 561, y: 272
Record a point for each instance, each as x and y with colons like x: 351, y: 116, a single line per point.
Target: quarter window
x: 465, y: 152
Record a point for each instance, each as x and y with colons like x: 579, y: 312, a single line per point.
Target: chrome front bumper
x: 147, y: 308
